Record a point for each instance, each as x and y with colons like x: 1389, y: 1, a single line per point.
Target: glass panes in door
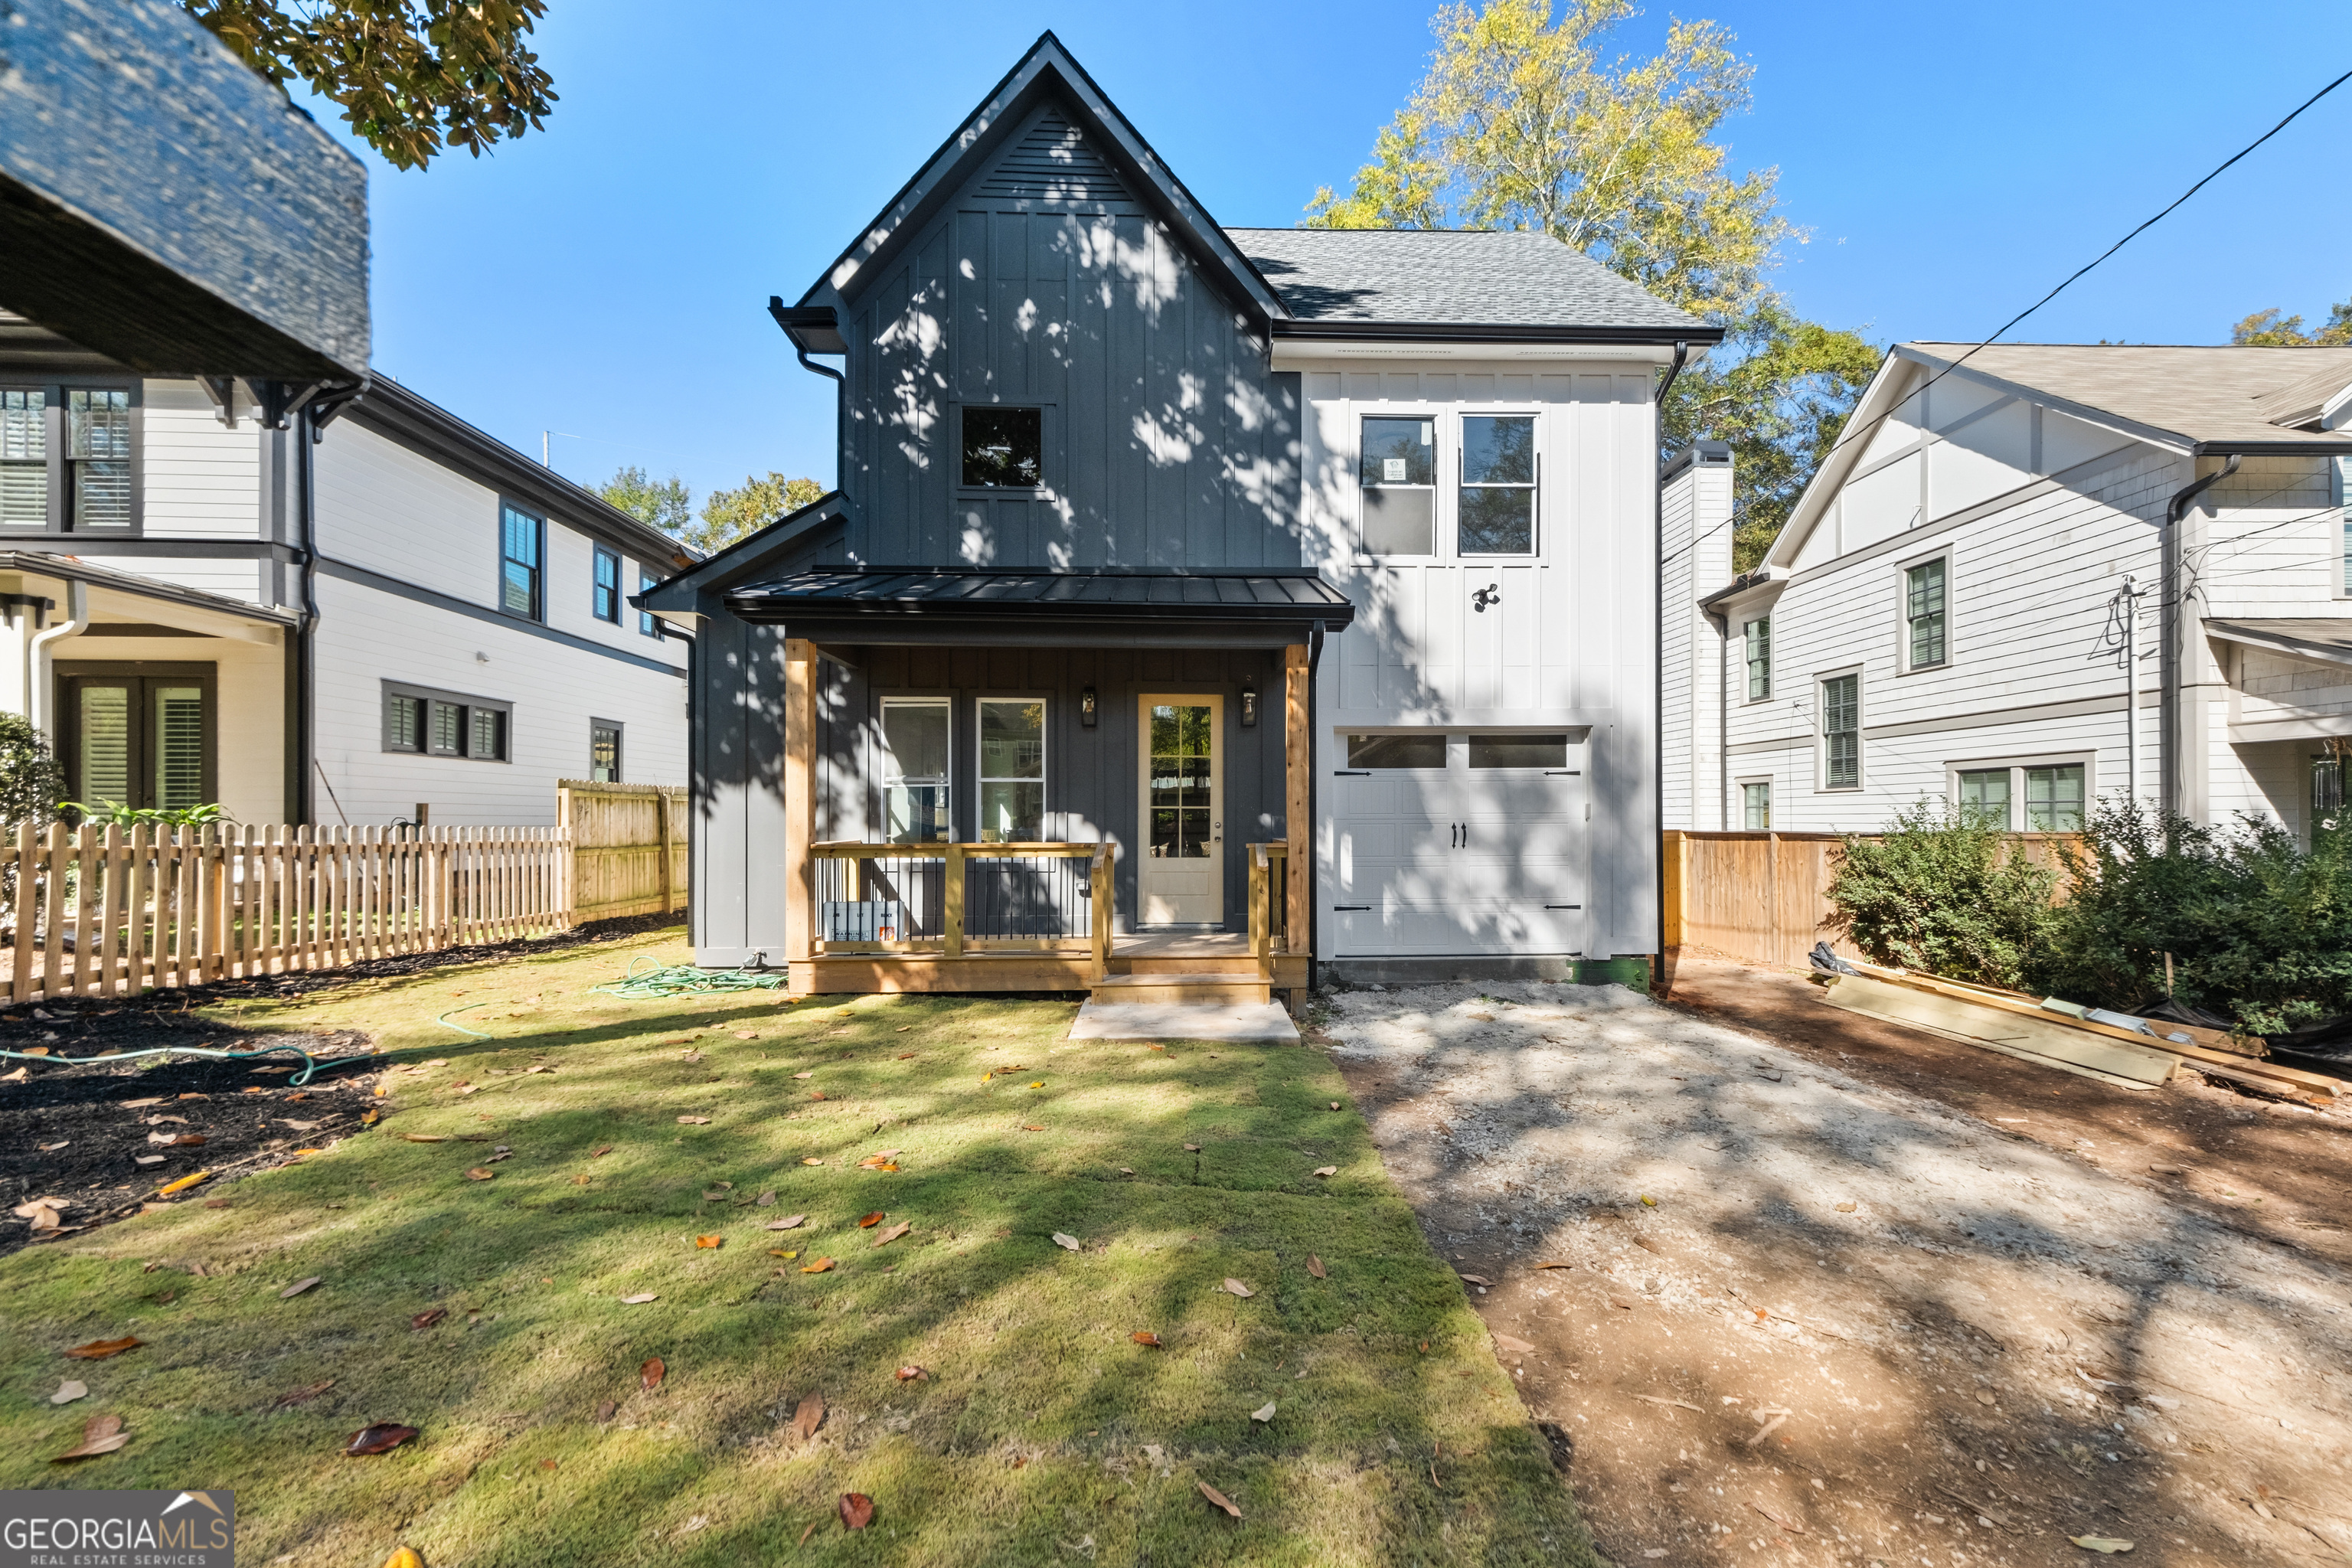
x: 102, y: 748
x: 142, y: 740
x: 1182, y: 759
x: 1012, y: 772
x: 915, y: 760
x: 179, y: 749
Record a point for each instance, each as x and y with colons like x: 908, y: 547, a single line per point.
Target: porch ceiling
x: 904, y: 604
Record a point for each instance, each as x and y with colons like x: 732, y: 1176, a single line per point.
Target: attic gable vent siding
x: 1052, y: 165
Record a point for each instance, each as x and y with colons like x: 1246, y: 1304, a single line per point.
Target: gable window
x: 1398, y: 478
x: 432, y: 723
x: 2053, y: 798
x: 1923, y: 615
x: 138, y: 734
x: 607, y: 588
x: 1498, y: 466
x: 604, y: 751
x: 1842, y: 732
x: 24, y: 457
x: 915, y: 761
x: 1984, y: 797
x: 1004, y: 448
x: 648, y: 623
x: 1012, y: 772
x: 522, y: 543
x: 1758, y: 635
x: 1755, y: 807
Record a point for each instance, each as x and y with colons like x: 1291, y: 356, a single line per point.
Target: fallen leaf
x: 803, y: 1075
x: 599, y: 1153
x: 776, y: 1252
x: 650, y: 1375
x: 912, y: 1375
x: 1516, y: 1346
x: 606, y: 1411
x: 1191, y: 1148
x: 146, y: 1159
x: 821, y: 1266
x: 426, y: 1137
x: 1555, y: 1264
x: 1315, y: 1267
x: 1335, y: 1105
x: 765, y: 1200
x: 745, y: 1035
x: 137, y: 1104
x: 1238, y: 1289
x: 791, y: 1223
x: 380, y: 1438
x: 2106, y: 1544
x: 1649, y: 1201
x: 1476, y: 1279
x: 1220, y: 1498
x: 1327, y: 1170
x: 1846, y: 1208
x: 301, y: 1396
x: 1066, y: 1242
x: 893, y: 1234
x: 100, y: 1435
x: 99, y: 1350
x: 900, y: 1030
x: 546, y: 1464
x: 369, y: 1119
x: 876, y: 1161
x: 1146, y: 1337
x: 427, y: 1317
x: 481, y: 1173
x: 809, y: 1416
x: 693, y: 1120
x: 870, y: 1221
x: 812, y: 1161
x: 173, y: 1139
x: 803, y: 1540
x: 1264, y: 1412
x: 1039, y: 1084
x: 856, y: 1510
x: 710, y: 1242
x: 641, y: 1298
x: 816, y: 1094
x: 1028, y: 1127
x: 184, y: 1183
x: 300, y: 1126
x: 68, y: 1391
x: 297, y: 1288
x: 68, y: 1142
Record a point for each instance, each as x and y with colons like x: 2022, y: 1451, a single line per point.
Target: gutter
x: 2170, y: 725
x: 1681, y: 337
x: 1682, y: 357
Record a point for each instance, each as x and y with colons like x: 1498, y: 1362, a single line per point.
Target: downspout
x: 304, y: 641
x: 1682, y: 354
x: 2173, y: 612
x: 40, y: 708
x: 1314, y: 817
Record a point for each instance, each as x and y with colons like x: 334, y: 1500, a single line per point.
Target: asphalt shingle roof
x: 1447, y: 277
x: 2215, y: 394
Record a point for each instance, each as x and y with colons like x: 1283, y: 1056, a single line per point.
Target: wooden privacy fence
x: 1764, y: 897
x: 105, y: 911
x: 628, y: 847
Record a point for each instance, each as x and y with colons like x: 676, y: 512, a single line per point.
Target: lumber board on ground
x: 2034, y: 1038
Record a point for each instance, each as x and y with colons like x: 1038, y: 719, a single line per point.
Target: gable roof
x: 1046, y: 70
x: 726, y: 566
x: 1340, y: 281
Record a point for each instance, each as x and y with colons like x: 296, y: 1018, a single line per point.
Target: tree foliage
x: 666, y: 504
x: 31, y: 782
x: 1941, y: 893
x: 1521, y: 122
x: 414, y: 77
x: 731, y: 515
x: 2270, y: 328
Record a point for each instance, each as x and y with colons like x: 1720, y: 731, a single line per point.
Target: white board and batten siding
x: 1540, y: 862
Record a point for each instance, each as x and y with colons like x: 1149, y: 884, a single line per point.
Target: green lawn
x: 1043, y: 1433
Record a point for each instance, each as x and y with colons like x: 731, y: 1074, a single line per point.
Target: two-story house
x: 1307, y: 576
x: 2032, y: 577
x: 352, y: 609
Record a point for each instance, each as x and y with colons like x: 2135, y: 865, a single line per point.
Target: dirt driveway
x: 1803, y: 1313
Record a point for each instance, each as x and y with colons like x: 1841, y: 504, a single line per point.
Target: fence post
x: 664, y: 831
x: 109, y: 940
x: 1675, y: 853
x: 29, y: 882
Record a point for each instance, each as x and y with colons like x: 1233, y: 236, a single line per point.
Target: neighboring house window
x: 1004, y: 447
x: 523, y: 538
x: 1760, y: 659
x: 1425, y: 750
x: 24, y: 457
x: 138, y: 734
x: 604, y: 751
x: 420, y: 720
x: 1984, y: 797
x: 647, y: 622
x: 915, y: 764
x: 1923, y: 613
x: 1842, y: 732
x: 1496, y: 515
x: 2053, y: 799
x: 1518, y: 750
x: 1012, y: 772
x: 98, y: 453
x: 1398, y: 477
x: 607, y: 597
x: 1756, y: 800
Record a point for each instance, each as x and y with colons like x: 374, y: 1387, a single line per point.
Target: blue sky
x: 608, y: 277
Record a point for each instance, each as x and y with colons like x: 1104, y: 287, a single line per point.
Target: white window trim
x: 2087, y: 761
x: 1903, y: 569
x: 1822, y: 735
x: 1743, y: 786
x: 1461, y: 445
x: 1044, y: 780
x: 1438, y: 508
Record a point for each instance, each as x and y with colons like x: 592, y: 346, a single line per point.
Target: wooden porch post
x: 1298, y: 757
x: 800, y: 797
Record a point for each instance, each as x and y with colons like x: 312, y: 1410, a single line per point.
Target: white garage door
x: 1466, y: 842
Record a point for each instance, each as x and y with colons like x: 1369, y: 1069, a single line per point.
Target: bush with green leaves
x: 114, y: 814
x: 30, y: 779
x: 2260, y: 928
x: 1941, y: 893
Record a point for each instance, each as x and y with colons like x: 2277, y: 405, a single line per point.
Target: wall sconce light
x: 1249, y: 706
x: 1086, y: 707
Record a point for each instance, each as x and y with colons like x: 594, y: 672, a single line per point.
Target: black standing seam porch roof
x: 888, y: 604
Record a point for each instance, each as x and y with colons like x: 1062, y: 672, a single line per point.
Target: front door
x: 1181, y: 877
x: 138, y: 734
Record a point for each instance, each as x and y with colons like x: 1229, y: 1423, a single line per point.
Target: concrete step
x: 1215, y: 986
x: 1237, y: 1022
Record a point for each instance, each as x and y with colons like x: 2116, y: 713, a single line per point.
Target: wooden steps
x: 1211, y: 987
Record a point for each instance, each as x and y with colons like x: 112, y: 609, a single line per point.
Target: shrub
x: 2260, y: 929
x: 1939, y: 893
x: 30, y: 779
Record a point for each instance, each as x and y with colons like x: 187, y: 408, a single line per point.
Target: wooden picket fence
x: 112, y: 911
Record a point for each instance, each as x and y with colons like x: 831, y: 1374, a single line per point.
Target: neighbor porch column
x: 1298, y: 758
x: 800, y: 795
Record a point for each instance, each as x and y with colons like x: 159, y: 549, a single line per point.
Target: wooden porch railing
x: 1269, y: 904
x: 960, y: 901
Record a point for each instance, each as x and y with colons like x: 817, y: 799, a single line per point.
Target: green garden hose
x: 443, y: 1021
x: 297, y: 1081
x: 666, y: 980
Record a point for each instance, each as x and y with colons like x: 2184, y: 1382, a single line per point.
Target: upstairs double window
x: 1496, y: 473
x: 69, y: 458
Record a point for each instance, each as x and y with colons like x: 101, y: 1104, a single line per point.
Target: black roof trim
x: 677, y: 592
x: 1500, y: 333
x: 814, y: 329
x: 837, y: 593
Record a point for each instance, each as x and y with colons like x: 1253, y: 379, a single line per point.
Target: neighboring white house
x: 1945, y: 615
x: 401, y: 613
